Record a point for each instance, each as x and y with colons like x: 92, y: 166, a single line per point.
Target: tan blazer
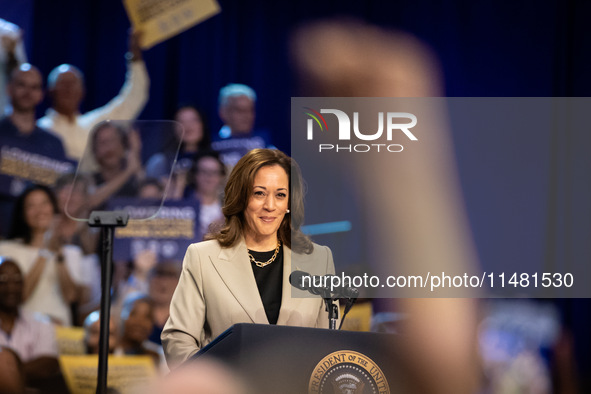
x: 217, y: 289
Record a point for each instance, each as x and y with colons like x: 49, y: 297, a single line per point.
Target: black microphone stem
x: 333, y: 313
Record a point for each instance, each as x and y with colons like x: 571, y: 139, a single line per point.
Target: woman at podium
x: 241, y: 274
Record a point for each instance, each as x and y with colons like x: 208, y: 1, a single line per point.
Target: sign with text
x: 70, y: 340
x: 22, y: 165
x: 158, y: 20
x: 168, y: 234
x: 126, y: 373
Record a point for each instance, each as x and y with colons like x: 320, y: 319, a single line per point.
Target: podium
x: 281, y: 359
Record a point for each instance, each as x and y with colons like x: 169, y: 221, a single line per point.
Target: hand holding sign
x: 134, y: 45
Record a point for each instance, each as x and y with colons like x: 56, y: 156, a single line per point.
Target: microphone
x: 342, y: 291
x: 326, y: 287
x: 322, y: 285
x: 297, y: 280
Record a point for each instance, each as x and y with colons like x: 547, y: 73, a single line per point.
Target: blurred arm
x: 416, y: 211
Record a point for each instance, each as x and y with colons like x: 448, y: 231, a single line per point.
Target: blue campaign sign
x: 37, y: 157
x: 168, y: 234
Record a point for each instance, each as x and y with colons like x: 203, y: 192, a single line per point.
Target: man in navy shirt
x: 28, y: 154
x: 237, y: 137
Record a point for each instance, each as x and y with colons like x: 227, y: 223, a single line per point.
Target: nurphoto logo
x: 396, y: 123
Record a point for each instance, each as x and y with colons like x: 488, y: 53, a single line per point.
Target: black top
x: 269, y: 282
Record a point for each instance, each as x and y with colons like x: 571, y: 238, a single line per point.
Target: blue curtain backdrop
x: 486, y: 48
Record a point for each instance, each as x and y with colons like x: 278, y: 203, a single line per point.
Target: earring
x: 287, y: 211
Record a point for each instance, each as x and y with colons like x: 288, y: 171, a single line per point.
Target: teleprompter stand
x: 107, y: 221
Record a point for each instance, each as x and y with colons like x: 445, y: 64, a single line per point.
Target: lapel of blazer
x: 288, y: 303
x: 234, y: 267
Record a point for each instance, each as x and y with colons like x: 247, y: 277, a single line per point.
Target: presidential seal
x: 347, y: 372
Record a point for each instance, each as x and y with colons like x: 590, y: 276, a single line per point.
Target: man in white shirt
x: 66, y: 89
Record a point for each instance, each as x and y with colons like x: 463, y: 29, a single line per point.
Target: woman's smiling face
x: 267, y: 204
x: 39, y: 210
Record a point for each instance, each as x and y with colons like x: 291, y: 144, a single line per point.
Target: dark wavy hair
x: 20, y: 228
x: 239, y: 189
x: 205, y: 143
x: 192, y: 173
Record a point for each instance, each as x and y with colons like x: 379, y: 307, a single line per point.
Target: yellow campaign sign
x: 158, y: 20
x: 359, y: 318
x: 70, y: 340
x: 127, y: 374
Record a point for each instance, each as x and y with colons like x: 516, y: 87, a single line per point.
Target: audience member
x: 206, y: 183
x: 237, y: 135
x: 30, y: 335
x: 163, y: 280
x: 51, y: 269
x: 117, y: 153
x: 151, y: 189
x: 136, y: 326
x: 136, y: 279
x: 72, y: 195
x: 66, y: 89
x: 517, y: 338
x: 12, y: 53
x: 92, y: 331
x: 27, y: 152
x: 194, y: 137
